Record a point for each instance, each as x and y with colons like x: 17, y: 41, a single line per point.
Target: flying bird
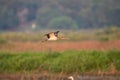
x: 52, y: 36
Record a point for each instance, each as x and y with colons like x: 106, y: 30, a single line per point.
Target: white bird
x: 70, y: 78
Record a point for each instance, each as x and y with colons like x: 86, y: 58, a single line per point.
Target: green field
x: 56, y: 62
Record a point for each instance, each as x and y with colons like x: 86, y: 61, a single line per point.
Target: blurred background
x: 92, y: 28
x: 35, y: 15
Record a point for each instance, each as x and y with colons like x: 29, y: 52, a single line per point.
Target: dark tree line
x: 51, y: 13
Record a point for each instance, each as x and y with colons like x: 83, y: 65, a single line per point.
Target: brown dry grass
x: 60, y: 46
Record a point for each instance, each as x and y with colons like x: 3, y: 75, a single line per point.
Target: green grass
x: 56, y: 62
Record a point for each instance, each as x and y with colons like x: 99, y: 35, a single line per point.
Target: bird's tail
x: 44, y: 40
x: 63, y: 38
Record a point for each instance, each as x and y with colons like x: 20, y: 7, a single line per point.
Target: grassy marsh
x: 105, y: 34
x: 56, y: 62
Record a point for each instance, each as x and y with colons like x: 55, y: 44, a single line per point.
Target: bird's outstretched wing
x: 56, y: 33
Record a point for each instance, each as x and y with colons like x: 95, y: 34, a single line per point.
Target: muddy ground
x: 57, y: 77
